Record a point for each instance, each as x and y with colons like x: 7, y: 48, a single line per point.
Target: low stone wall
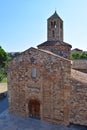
x: 78, y: 114
x: 80, y: 65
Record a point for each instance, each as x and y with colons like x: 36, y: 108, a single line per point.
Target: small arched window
x: 53, y: 33
x: 34, y: 71
x: 54, y: 24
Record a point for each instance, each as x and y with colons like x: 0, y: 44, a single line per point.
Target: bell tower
x: 55, y: 43
x: 54, y: 28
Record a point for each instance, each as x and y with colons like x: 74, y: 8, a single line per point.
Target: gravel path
x: 11, y: 122
x: 3, y: 104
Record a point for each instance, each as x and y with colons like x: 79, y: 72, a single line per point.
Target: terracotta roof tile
x: 79, y: 76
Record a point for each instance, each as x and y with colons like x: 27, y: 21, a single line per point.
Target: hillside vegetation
x: 79, y: 55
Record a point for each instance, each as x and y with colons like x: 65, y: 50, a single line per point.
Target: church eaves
x: 52, y: 43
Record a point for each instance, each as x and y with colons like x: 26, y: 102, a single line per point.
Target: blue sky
x: 23, y: 23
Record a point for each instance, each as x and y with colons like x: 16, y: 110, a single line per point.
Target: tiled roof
x: 52, y: 43
x: 79, y: 76
x: 77, y: 49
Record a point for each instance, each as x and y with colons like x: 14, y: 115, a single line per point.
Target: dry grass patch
x: 3, y: 87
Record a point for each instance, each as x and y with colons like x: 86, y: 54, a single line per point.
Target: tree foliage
x: 3, y: 63
x: 3, y: 57
x: 79, y: 55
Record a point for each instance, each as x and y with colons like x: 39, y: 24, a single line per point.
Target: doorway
x: 34, y: 108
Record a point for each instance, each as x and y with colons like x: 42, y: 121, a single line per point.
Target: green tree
x: 3, y: 63
x: 75, y: 55
x: 83, y: 55
x: 3, y: 57
x: 79, y: 55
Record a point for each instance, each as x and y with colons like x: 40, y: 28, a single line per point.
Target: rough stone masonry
x: 42, y: 85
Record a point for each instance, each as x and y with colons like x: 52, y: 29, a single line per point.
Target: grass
x: 4, y: 80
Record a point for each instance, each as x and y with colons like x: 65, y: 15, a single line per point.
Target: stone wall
x: 51, y: 86
x: 61, y: 50
x: 80, y: 65
x: 58, y: 31
x: 78, y: 114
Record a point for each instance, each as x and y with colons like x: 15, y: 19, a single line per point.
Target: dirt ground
x: 3, y: 87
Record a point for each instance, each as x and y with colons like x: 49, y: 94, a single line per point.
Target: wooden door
x: 34, y: 109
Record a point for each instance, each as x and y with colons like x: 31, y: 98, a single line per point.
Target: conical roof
x: 55, y: 16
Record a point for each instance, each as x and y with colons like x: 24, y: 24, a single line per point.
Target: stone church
x: 41, y: 83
